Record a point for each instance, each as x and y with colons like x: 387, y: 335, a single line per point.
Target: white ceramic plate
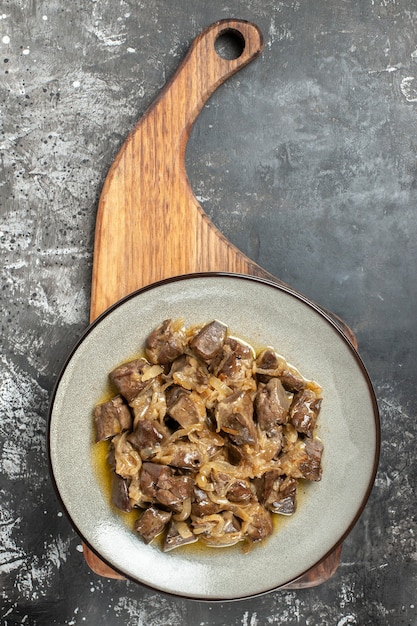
x: 263, y: 314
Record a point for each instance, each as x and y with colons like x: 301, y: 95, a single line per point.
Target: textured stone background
x: 306, y: 160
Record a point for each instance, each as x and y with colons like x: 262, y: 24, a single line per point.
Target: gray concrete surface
x: 306, y: 160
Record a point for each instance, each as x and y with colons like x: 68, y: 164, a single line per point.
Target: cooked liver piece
x: 209, y: 340
x: 304, y: 412
x: 178, y: 534
x: 165, y: 343
x: 240, y: 491
x: 163, y: 486
x: 311, y: 467
x: 280, y: 494
x: 150, y: 476
x: 234, y: 416
x: 186, y: 408
x: 120, y: 493
x: 272, y: 404
x: 268, y: 360
x: 151, y: 523
x: 147, y: 437
x: 261, y: 525
x: 128, y: 378
x: 291, y: 381
x: 183, y: 454
x: 202, y: 505
x: 188, y: 372
x: 111, y: 418
x: 303, y: 460
x: 236, y: 362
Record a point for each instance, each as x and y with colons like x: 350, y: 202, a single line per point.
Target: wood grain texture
x: 150, y: 225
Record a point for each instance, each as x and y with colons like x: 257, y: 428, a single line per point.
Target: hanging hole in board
x: 230, y: 44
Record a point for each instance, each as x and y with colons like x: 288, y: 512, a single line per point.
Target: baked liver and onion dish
x: 208, y: 439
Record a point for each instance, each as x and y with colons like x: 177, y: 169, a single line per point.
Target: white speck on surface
x: 36, y: 574
x: 348, y: 596
x: 13, y: 459
x: 26, y: 51
x: 45, y: 18
x: 79, y: 548
x: 279, y: 32
x: 153, y: 609
x: 131, y: 50
x: 252, y: 621
x: 76, y: 83
x: 106, y: 37
x: 347, y: 619
x: 6, y: 39
x: 408, y: 89
x: 389, y: 69
x: 11, y: 555
x: 22, y: 430
x: 57, y: 551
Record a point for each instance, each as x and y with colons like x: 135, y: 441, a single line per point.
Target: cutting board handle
x: 149, y: 224
x: 204, y: 68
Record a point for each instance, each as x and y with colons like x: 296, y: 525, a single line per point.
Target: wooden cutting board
x: 150, y: 225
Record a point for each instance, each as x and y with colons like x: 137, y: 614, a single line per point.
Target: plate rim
x: 276, y: 285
